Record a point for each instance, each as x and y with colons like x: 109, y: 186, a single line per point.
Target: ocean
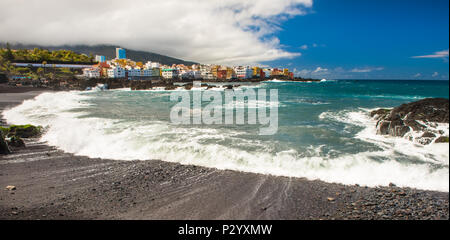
x: 324, y: 132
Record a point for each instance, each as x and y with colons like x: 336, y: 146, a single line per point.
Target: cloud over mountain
x: 209, y: 31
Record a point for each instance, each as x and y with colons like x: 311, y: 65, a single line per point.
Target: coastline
x: 52, y: 184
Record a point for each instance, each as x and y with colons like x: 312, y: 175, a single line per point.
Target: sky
x: 345, y: 39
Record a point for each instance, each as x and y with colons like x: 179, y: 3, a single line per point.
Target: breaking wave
x: 75, y: 132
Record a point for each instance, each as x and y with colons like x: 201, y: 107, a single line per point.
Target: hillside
x: 107, y: 50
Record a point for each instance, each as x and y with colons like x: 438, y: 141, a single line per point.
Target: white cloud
x: 418, y: 75
x: 439, y: 54
x: 314, y: 45
x: 209, y: 31
x: 302, y: 73
x: 366, y: 69
x: 320, y: 70
x: 337, y: 72
x: 435, y: 74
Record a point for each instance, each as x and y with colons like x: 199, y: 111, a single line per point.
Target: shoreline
x: 52, y: 184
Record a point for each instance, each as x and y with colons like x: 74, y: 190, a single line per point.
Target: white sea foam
x: 275, y: 81
x: 432, y: 153
x: 252, y: 104
x: 106, y: 138
x: 307, y: 101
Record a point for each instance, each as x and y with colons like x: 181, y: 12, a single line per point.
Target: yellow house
x: 230, y: 73
x: 256, y: 71
x: 140, y: 64
x: 214, y: 70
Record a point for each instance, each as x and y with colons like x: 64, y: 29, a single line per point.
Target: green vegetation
x: 21, y: 131
x: 39, y: 55
x: 15, y: 133
x: 44, y: 56
x: 109, y: 51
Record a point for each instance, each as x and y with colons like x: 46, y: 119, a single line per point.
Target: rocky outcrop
x: 11, y: 137
x: 442, y: 139
x: 140, y: 85
x: 23, y: 131
x: 416, y: 117
x: 16, y: 142
x: 188, y: 86
x: 4, y: 148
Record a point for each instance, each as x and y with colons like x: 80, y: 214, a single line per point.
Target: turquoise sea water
x: 324, y: 132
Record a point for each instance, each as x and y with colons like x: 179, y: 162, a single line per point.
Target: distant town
x: 121, y: 67
x: 65, y: 69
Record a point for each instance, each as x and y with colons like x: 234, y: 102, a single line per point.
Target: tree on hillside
x: 9, y: 56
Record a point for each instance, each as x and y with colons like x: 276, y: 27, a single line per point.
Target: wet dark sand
x: 51, y: 184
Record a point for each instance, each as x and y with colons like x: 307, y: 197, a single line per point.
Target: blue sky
x: 369, y: 39
x: 333, y: 39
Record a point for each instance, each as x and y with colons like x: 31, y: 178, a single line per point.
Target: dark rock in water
x: 414, y: 124
x: 170, y: 87
x: 383, y: 128
x: 427, y: 110
x: 188, y: 86
x: 229, y: 87
x: 425, y: 140
x: 401, y: 120
x: 4, y: 148
x: 140, y: 84
x: 428, y: 135
x: 380, y: 112
x: 16, y: 142
x: 442, y: 139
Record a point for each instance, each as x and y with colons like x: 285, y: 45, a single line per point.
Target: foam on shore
x: 146, y: 140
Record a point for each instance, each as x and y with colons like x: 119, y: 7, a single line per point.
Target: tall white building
x: 100, y: 58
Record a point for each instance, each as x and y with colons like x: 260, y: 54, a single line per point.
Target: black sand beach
x: 51, y: 184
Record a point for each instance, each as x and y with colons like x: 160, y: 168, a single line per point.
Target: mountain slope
x: 109, y: 51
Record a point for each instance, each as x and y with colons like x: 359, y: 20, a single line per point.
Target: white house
x: 190, y: 74
x: 155, y: 65
x: 116, y: 72
x: 205, y: 72
x: 91, y: 72
x: 169, y: 73
x: 243, y: 72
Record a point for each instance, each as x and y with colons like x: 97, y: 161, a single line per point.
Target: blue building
x: 120, y: 53
x: 100, y: 58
